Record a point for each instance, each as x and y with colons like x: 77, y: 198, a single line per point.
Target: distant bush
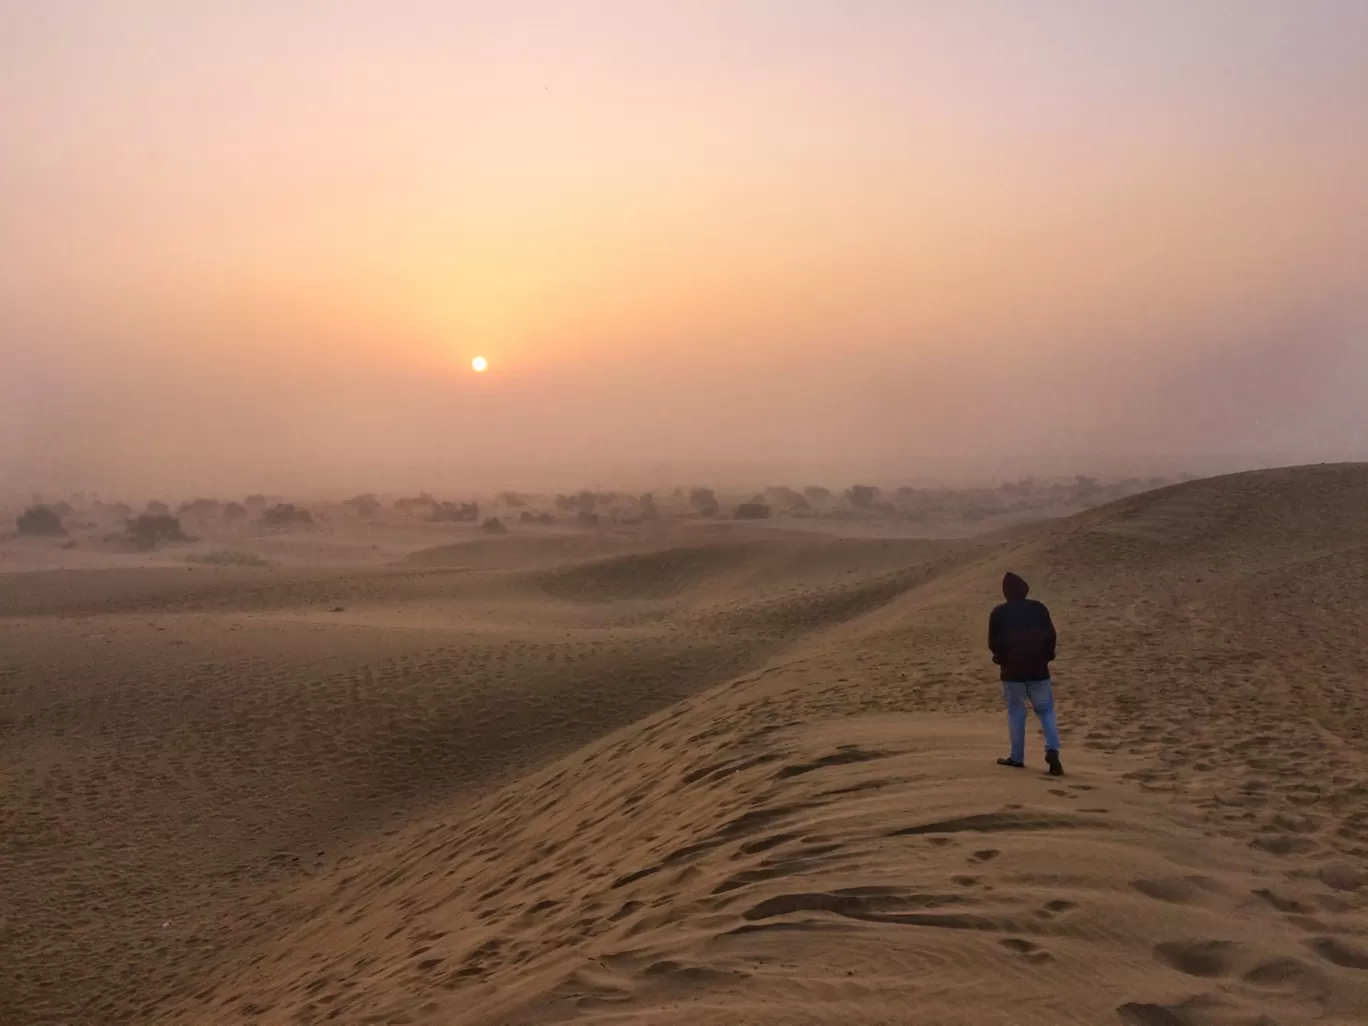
x: 705, y: 501
x: 41, y: 520
x: 158, y: 509
x: 649, y: 510
x: 228, y: 557
x: 451, y: 512
x: 234, y: 511
x: 586, y: 519
x: 817, y: 494
x: 862, y: 496
x: 581, y: 502
x: 495, y: 526
x: 148, y: 529
x: 786, y: 498
x: 512, y: 500
x: 366, y: 505
x: 255, y: 501
x: 199, y: 507
x: 286, y: 513
x: 416, y: 504
x: 751, y: 511
x: 1020, y: 487
x: 528, y: 517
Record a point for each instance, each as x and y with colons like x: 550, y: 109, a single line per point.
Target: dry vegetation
x: 150, y: 529
x: 41, y: 520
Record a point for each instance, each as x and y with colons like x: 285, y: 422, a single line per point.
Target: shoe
x: 1052, y: 758
x: 1011, y: 762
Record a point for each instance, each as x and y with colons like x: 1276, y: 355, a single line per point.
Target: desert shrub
x: 528, y: 517
x: 512, y: 500
x: 255, y: 501
x: 580, y: 502
x: 227, y: 557
x: 199, y: 507
x: 366, y: 505
x: 586, y: 519
x: 285, y: 513
x: 41, y: 520
x: 817, y: 494
x: 751, y: 511
x: 862, y: 496
x: 122, y: 510
x: 234, y: 511
x: 704, y: 500
x: 649, y: 510
x: 495, y: 526
x: 421, y: 503
x: 451, y: 512
x: 148, y: 529
x: 786, y: 498
x: 1020, y: 487
x: 158, y: 509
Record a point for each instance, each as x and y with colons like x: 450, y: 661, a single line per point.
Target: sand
x: 703, y: 775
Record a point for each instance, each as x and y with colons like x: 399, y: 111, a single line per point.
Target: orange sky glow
x: 799, y: 235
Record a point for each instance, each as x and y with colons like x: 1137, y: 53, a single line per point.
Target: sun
x: 480, y: 364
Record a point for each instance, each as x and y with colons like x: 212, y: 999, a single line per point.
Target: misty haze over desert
x: 501, y: 506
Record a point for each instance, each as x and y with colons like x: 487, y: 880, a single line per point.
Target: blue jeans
x: 1039, y: 693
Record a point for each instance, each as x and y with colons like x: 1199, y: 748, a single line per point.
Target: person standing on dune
x: 1022, y: 639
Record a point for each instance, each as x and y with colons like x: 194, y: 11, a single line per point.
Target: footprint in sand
x: 1135, y: 1014
x: 1032, y: 952
x: 1208, y: 959
x: 1339, y: 952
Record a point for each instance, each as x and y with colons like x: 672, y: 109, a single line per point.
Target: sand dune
x: 700, y: 775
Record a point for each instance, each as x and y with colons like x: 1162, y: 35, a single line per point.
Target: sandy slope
x: 728, y: 776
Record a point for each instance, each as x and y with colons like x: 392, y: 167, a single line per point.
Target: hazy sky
x: 255, y: 244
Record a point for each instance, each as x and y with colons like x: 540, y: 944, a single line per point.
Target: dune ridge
x: 722, y: 776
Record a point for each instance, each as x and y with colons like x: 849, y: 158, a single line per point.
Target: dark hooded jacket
x: 1021, y: 634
